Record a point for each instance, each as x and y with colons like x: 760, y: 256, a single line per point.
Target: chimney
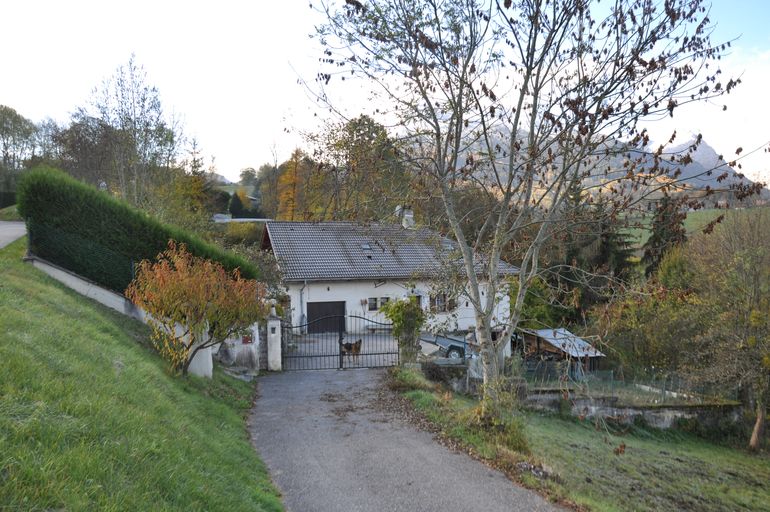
x: 406, y: 215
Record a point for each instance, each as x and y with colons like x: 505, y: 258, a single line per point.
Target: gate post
x: 273, y: 341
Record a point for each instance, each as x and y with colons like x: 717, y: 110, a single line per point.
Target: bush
x: 443, y: 373
x: 407, y: 379
x: 242, y: 233
x: 92, y: 234
x: 408, y: 318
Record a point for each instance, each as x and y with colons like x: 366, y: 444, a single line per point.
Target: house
x: 544, y: 346
x: 333, y: 269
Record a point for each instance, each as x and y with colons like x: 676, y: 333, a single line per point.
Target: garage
x: 325, y: 317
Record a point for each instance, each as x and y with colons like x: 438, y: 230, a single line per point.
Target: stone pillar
x: 273, y: 341
x: 202, y: 364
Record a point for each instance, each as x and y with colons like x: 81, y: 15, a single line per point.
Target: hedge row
x: 7, y: 198
x: 92, y: 234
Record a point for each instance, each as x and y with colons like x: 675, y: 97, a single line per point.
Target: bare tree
x: 144, y: 140
x: 524, y: 99
x: 16, y: 138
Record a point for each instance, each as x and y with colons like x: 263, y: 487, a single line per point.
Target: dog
x: 353, y: 349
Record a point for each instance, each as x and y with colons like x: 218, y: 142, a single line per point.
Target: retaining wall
x: 202, y: 363
x: 658, y: 416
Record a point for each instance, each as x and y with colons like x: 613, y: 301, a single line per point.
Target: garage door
x: 325, y: 317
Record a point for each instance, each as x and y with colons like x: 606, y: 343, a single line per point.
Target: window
x: 374, y: 304
x: 442, y: 303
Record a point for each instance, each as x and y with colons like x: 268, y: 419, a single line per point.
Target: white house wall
x: 355, y: 295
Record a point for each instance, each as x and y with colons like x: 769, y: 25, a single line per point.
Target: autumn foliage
x: 193, y: 303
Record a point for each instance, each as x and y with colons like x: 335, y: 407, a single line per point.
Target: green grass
x: 694, y: 222
x: 10, y: 213
x: 90, y: 419
x: 659, y: 470
x: 230, y: 189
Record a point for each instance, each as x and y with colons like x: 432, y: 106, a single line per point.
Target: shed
x: 559, y: 344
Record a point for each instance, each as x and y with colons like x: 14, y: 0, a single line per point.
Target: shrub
x: 443, y: 374
x: 408, y: 379
x: 208, y: 303
x: 97, y: 236
x: 242, y: 233
x: 408, y: 318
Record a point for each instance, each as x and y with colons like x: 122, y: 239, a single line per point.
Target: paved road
x: 10, y: 231
x: 329, y: 448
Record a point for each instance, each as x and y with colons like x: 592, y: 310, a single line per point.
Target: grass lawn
x: 90, y: 419
x: 230, y: 189
x: 658, y: 470
x: 10, y: 213
x: 695, y: 221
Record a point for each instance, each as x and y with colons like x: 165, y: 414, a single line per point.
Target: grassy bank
x: 598, y: 467
x: 90, y: 420
x: 9, y: 213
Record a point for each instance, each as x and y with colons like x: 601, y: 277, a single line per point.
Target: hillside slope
x: 90, y: 420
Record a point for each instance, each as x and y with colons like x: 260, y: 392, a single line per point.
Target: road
x: 10, y: 231
x: 329, y: 446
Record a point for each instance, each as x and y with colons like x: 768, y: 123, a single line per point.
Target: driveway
x: 10, y: 231
x: 329, y: 447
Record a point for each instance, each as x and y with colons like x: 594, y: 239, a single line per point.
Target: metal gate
x: 346, y: 342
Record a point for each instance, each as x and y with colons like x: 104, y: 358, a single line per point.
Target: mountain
x: 614, y: 158
x: 218, y: 178
x: 706, y: 168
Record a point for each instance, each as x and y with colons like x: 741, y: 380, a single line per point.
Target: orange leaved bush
x: 193, y: 303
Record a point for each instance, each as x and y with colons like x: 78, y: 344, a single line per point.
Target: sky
x: 231, y: 71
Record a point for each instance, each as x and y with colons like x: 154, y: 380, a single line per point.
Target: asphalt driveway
x: 10, y: 231
x: 329, y: 447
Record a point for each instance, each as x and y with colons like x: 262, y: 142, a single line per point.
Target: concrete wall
x: 202, y: 362
x: 663, y: 417
x: 355, y: 294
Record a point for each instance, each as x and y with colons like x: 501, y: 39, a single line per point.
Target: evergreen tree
x: 236, y: 206
x: 614, y: 249
x: 667, y: 232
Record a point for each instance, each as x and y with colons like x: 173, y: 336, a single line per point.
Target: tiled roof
x: 332, y: 251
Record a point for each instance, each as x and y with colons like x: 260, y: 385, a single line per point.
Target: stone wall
x: 658, y: 416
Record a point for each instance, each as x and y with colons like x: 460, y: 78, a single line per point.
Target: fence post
x: 273, y: 341
x: 341, y: 333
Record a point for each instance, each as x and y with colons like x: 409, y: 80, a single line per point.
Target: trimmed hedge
x: 7, y: 199
x: 92, y: 234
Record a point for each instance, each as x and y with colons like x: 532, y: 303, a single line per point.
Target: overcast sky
x: 230, y: 70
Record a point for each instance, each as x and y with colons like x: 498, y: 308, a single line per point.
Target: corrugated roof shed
x: 564, y: 340
x: 332, y: 251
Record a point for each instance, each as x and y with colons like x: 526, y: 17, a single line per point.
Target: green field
x: 90, y: 419
x: 655, y: 470
x: 639, y: 230
x: 230, y: 189
x: 658, y: 470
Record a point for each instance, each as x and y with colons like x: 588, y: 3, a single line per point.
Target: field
x: 91, y: 420
x: 597, y: 466
x: 639, y: 231
x: 230, y: 189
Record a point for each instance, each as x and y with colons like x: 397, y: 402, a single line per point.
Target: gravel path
x: 330, y: 446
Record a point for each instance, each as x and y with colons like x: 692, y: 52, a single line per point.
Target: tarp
x: 567, y: 342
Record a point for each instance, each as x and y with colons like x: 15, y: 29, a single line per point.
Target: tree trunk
x: 489, y: 370
x: 759, y: 425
